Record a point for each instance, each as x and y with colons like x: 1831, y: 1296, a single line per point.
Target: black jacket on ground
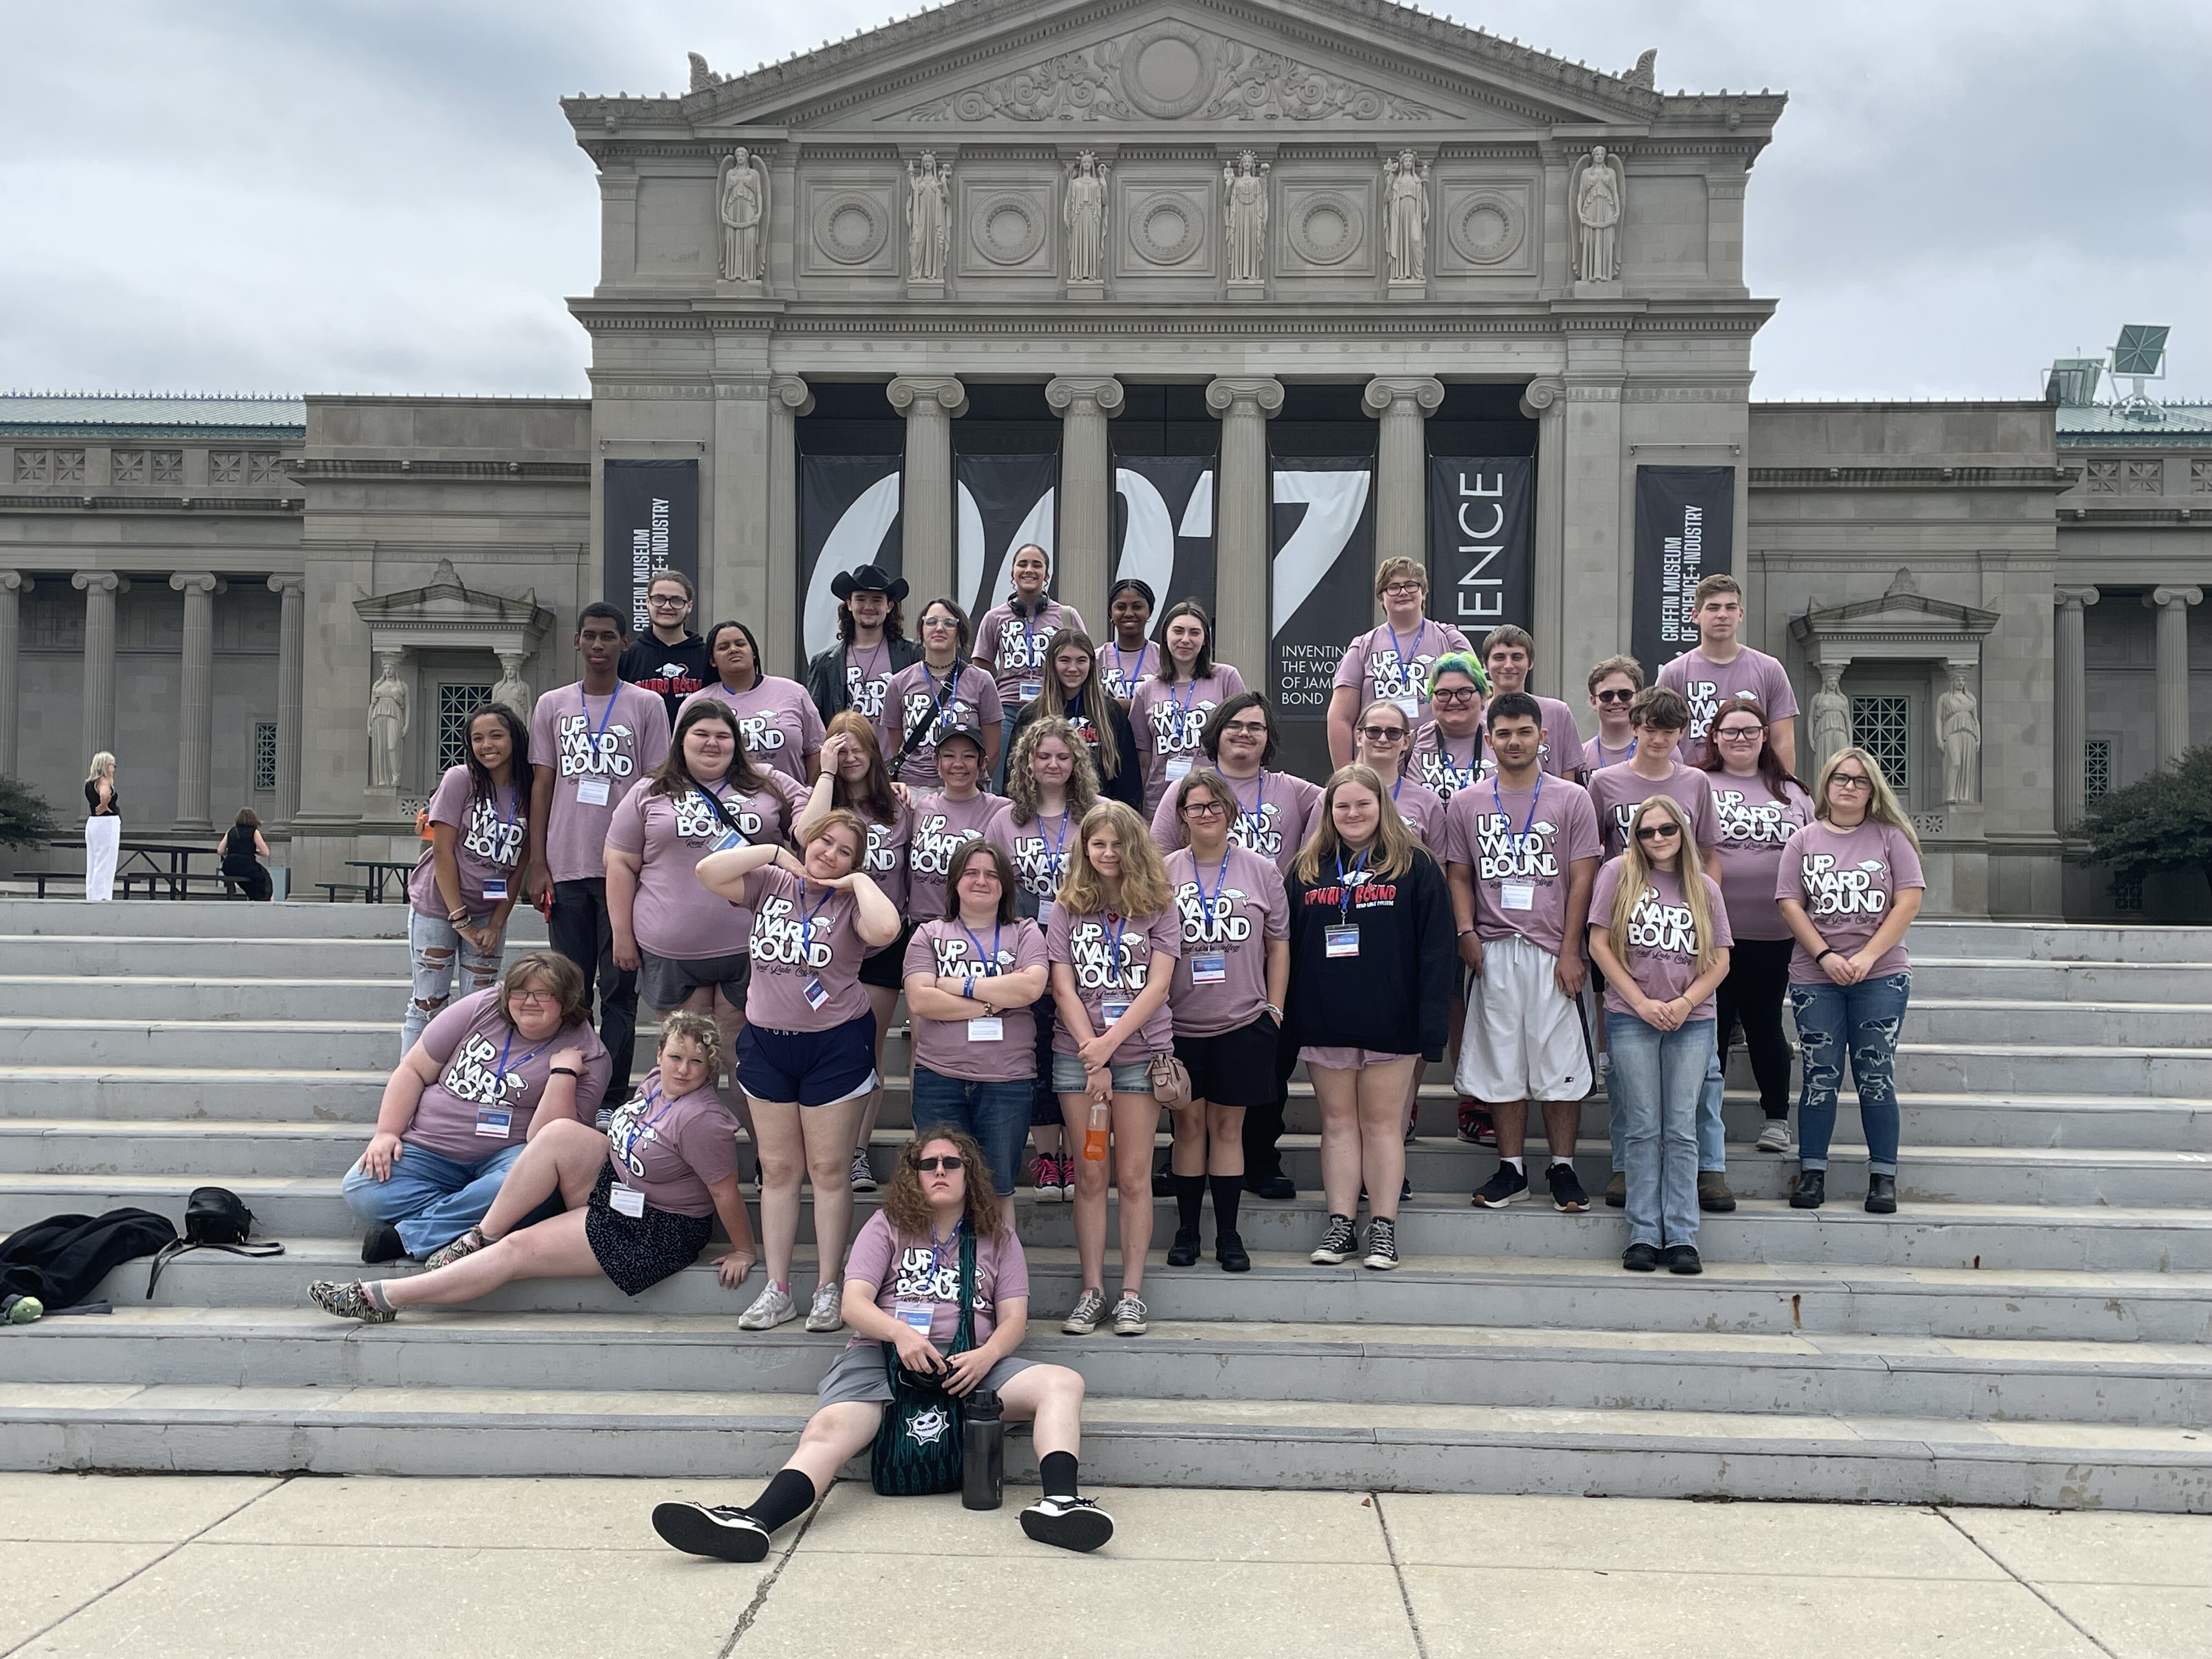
x: 1128, y: 787
x: 674, y: 671
x: 825, y: 676
x: 1396, y: 996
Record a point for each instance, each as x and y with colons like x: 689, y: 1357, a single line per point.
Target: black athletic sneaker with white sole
x: 726, y: 1533
x: 1507, y: 1186
x: 1568, y: 1197
x: 1068, y: 1523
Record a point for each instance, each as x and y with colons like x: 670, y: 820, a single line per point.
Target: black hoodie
x: 1396, y: 996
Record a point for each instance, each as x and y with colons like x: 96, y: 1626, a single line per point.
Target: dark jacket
x: 674, y: 671
x: 1396, y: 996
x: 1128, y: 787
x: 825, y: 676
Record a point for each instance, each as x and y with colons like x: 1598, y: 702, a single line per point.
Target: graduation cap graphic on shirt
x: 1871, y: 865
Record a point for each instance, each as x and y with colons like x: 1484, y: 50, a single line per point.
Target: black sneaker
x: 1682, y: 1259
x: 380, y: 1244
x: 1640, y: 1258
x: 1183, y: 1253
x: 1229, y: 1250
x: 726, y: 1533
x: 1507, y: 1186
x: 1568, y: 1197
x: 1381, y: 1244
x: 1068, y: 1523
x: 1339, y: 1243
x: 1162, y: 1181
x: 1278, y: 1186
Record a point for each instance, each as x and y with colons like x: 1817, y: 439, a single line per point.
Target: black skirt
x: 637, y: 1252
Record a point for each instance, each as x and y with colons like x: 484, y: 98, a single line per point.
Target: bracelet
x: 1273, y: 1010
x: 968, y: 987
x: 1464, y: 931
x: 566, y: 1071
x: 1824, y: 955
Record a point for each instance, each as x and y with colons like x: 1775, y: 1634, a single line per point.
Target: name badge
x: 1031, y: 689
x: 625, y: 1199
x: 1341, y: 941
x: 1178, y: 768
x: 728, y: 839
x: 495, y: 887
x: 815, y: 992
x: 1044, y: 912
x: 1411, y: 708
x: 916, y: 1311
x: 1209, y: 969
x: 1517, y: 894
x: 987, y: 1029
x: 1115, y: 1010
x: 591, y: 792
x: 495, y: 1122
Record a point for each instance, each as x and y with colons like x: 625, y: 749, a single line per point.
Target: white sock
x: 1556, y: 1160
x: 1518, y: 1167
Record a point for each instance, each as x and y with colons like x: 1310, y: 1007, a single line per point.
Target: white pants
x: 101, y: 836
x: 1523, y: 1040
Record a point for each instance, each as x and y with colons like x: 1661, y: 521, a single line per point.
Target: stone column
x: 1242, y: 514
x: 2071, y: 717
x: 291, y: 683
x: 930, y: 403
x: 1544, y: 401
x: 100, y: 588
x: 1085, y: 403
x: 13, y: 583
x: 2172, y: 605
x: 196, y: 699
x: 789, y: 398
x: 1403, y: 404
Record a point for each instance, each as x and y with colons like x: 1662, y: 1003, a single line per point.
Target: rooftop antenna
x: 2140, y: 355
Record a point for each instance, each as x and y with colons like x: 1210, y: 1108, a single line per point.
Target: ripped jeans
x: 1861, y: 1021
x: 437, y: 951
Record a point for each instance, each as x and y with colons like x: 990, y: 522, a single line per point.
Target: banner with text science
x: 848, y: 516
x: 1482, y: 542
x: 1685, y: 532
x: 649, y: 521
x: 1163, y: 528
x: 1324, y: 575
x: 1003, y: 502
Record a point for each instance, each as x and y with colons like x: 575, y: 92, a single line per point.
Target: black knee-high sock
x: 1190, y: 1198
x: 787, y: 1497
x: 1227, y: 1191
x: 1057, y: 1471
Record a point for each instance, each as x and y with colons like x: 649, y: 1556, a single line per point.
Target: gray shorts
x: 1068, y: 1077
x: 663, y: 982
x: 857, y: 1377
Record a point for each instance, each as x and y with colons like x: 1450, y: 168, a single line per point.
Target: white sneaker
x: 771, y: 1309
x: 1774, y: 1135
x: 825, y: 1314
x: 864, y: 1173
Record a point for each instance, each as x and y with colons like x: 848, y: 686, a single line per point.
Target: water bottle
x: 1094, y: 1136
x: 982, y: 1451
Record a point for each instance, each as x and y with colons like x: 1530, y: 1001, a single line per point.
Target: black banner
x: 1685, y: 531
x: 1482, y: 542
x: 1163, y: 528
x: 649, y: 521
x: 1324, y: 586
x: 1004, y: 501
x: 849, y: 513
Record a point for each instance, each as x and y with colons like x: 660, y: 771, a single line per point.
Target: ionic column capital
x: 2076, y: 598
x: 1258, y: 394
x: 1085, y: 394
x: 793, y: 394
x: 2161, y: 598
x: 14, y: 581
x: 288, y: 584
x: 100, y: 581
x: 1541, y: 393
x: 911, y: 394
x: 198, y: 581
x: 1402, y: 394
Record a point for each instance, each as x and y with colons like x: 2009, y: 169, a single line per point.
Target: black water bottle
x: 982, y: 1451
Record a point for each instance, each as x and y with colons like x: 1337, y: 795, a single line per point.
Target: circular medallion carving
x: 1167, y: 71
x: 1009, y: 228
x: 850, y: 228
x: 1326, y: 229
x: 1486, y: 228
x: 1163, y: 230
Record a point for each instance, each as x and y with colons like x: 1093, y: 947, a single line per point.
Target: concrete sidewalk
x: 186, y: 1565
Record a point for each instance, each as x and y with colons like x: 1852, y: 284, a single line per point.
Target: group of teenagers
x: 1170, y: 920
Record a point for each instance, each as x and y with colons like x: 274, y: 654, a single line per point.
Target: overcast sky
x: 385, y: 198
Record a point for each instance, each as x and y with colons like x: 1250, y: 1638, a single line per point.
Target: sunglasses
x: 1616, y: 697
x: 1657, y: 832
x: 1383, y: 734
x: 949, y: 1162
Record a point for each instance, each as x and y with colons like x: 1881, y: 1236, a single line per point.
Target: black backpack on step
x: 215, y: 1218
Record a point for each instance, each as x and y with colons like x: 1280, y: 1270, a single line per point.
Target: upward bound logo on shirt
x: 1035, y: 867
x: 918, y: 707
x: 585, y: 754
x: 1447, y: 777
x: 489, y: 839
x: 882, y: 856
x: 628, y: 1133
x: 1264, y: 836
x: 697, y: 821
x: 933, y: 845
x: 1177, y: 733
x: 473, y: 1076
x: 915, y: 1277
x: 1756, y: 824
x: 1844, y: 890
x: 1090, y: 951
x: 1668, y: 928
x: 954, y: 957
x: 760, y: 734
x: 1020, y: 650
x: 778, y: 936
x: 867, y: 695
x: 1502, y: 855
x: 1210, y: 921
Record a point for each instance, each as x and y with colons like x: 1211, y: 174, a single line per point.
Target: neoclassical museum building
x: 1241, y: 296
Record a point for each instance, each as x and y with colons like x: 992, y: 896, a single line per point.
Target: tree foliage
x: 26, y: 820
x: 2160, y: 822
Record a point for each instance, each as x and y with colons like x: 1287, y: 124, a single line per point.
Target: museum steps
x: 2034, y: 1326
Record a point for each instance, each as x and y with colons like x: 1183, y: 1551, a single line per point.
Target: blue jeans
x: 1712, y: 1134
x: 1657, y: 1079
x: 996, y: 1114
x: 432, y: 1200
x: 1862, y: 1020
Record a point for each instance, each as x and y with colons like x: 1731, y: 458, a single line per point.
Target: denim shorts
x: 1068, y: 1077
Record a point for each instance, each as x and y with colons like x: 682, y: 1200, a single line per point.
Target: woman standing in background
x: 103, y: 829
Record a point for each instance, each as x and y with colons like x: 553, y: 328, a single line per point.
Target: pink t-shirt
x: 1013, y: 643
x: 1385, y: 663
x: 1662, y: 936
x: 1446, y: 764
x: 971, y: 699
x: 1228, y: 914
x: 1273, y: 814
x: 777, y: 722
x: 493, y: 834
x: 905, y: 1268
x: 1039, y: 851
x: 1597, y: 755
x: 1706, y: 684
x: 1421, y: 808
x: 674, y: 916
x: 868, y: 670
x: 1088, y: 945
x: 1845, y: 879
x: 799, y: 937
x: 885, y: 859
x: 1756, y: 825
x: 1519, y: 846
x: 491, y: 1078
x: 596, y: 748
x: 1168, y: 720
x: 1123, y: 672
x: 944, y: 1045
x: 940, y: 824
x: 1616, y: 792
x: 669, y: 1150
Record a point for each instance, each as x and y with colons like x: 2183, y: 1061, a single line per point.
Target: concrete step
x: 2155, y: 1024
x: 272, y: 961
x: 2040, y: 1068
x: 203, y: 999
x: 211, y: 920
x: 2039, y: 941
x: 1771, y: 1299
x: 2084, y: 981
x: 1286, y: 1443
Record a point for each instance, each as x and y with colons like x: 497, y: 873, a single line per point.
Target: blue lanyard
x: 990, y: 962
x: 1183, y: 704
x: 1059, y: 857
x: 1344, y: 880
x: 499, y: 1073
x: 1603, y: 762
x: 653, y: 1096
x: 1498, y: 801
x: 806, y: 920
x: 1206, y: 902
x: 1029, y: 639
x: 1396, y: 787
x: 514, y: 806
x: 936, y: 1250
x: 1121, y: 667
x: 1405, y: 677
x: 944, y: 698
x: 1115, y: 926
x: 585, y: 703
x: 1256, y: 819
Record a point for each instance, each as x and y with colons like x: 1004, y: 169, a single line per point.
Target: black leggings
x: 1757, y: 974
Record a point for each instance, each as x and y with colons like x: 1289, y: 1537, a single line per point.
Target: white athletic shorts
x: 1523, y: 1040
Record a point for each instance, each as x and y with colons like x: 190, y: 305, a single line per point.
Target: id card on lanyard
x: 1116, y: 1003
x: 1343, y: 939
x: 497, y: 1123
x: 986, y: 1028
x: 592, y: 791
x: 1210, y: 967
x: 495, y: 887
x: 1407, y: 700
x: 814, y: 991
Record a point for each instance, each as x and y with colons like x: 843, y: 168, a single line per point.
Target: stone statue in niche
x: 1083, y: 213
x: 1831, y: 717
x: 742, y: 191
x: 928, y: 219
x: 1245, y: 215
x: 511, y: 688
x: 1598, y: 198
x: 1959, y: 725
x: 388, y: 722
x: 1406, y: 212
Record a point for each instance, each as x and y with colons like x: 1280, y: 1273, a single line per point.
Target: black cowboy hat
x: 868, y: 578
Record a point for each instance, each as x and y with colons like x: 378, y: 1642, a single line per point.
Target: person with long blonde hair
x: 1075, y: 691
x: 1659, y: 932
x: 103, y: 828
x: 1849, y: 885
x: 1113, y: 943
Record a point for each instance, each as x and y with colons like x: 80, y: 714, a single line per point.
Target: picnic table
x: 157, y: 863
x: 380, y: 872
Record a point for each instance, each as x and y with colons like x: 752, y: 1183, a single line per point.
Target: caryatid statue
x: 742, y: 194
x: 1959, y: 724
x: 1245, y: 215
x: 1406, y: 214
x: 928, y: 192
x: 1831, y: 716
x: 388, y: 722
x: 1598, y: 198
x: 1083, y: 213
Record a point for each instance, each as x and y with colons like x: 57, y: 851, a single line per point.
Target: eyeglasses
x: 938, y: 622
x: 666, y: 599
x: 1616, y: 697
x: 1740, y: 733
x: 1404, y: 589
x: 1246, y: 728
x: 1204, y: 809
x: 949, y: 1162
x: 1457, y: 695
x: 1850, y: 780
x: 531, y: 996
x: 1658, y: 831
x: 1383, y: 734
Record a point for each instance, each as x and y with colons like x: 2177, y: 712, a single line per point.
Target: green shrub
x: 26, y: 820
x: 2161, y: 822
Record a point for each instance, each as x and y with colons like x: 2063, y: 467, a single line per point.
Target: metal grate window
x: 456, y: 704
x: 2097, y: 767
x: 1882, y: 727
x: 264, y: 756
x: 2127, y: 892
